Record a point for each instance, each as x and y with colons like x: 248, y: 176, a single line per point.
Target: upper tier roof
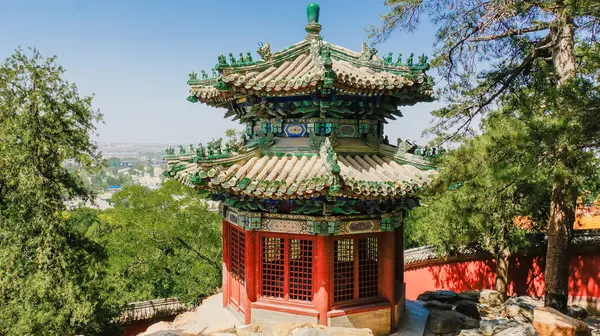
x: 311, y: 65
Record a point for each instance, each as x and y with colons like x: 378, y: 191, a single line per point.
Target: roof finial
x: 312, y: 14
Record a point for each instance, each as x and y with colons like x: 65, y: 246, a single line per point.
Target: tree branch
x: 541, y: 45
x: 211, y: 262
x: 511, y: 32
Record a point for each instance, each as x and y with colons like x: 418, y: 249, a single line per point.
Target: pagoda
x: 312, y: 193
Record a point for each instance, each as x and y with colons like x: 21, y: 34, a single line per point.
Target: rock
x: 468, y: 308
x: 446, y: 321
x: 159, y: 326
x: 549, y: 322
x: 521, y: 308
x: 491, y: 327
x: 490, y: 312
x: 437, y: 305
x: 471, y: 323
x: 183, y: 319
x: 285, y: 329
x: 577, y: 312
x: 306, y: 332
x: 445, y: 296
x: 519, y: 330
x: 490, y: 297
x: 250, y: 330
x: 470, y: 332
x: 593, y: 322
x: 470, y: 295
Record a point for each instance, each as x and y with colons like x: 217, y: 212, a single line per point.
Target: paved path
x: 414, y: 321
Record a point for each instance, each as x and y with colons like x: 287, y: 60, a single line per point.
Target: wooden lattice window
x: 237, y: 253
x: 355, y: 269
x: 272, y: 267
x: 300, y: 269
x: 343, y: 269
x: 287, y: 268
x: 367, y: 267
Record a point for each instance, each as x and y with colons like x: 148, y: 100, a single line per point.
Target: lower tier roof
x: 363, y: 176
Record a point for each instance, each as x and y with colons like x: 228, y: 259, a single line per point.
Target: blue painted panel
x: 295, y: 130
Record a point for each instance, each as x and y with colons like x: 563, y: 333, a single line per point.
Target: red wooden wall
x: 526, y: 276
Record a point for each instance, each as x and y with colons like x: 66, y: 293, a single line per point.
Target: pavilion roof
x: 313, y: 64
x: 302, y: 175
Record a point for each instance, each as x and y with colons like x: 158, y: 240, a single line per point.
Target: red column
x: 323, y: 259
x: 226, y: 261
x: 251, y: 273
x: 399, y: 232
x: 387, y: 271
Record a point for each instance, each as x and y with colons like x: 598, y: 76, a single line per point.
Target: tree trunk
x: 563, y: 51
x: 502, y: 272
x: 562, y: 217
x: 564, y: 194
x: 502, y: 261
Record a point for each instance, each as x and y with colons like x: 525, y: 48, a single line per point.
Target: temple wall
x: 526, y: 277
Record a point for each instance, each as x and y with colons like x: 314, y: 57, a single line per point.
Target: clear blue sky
x: 136, y: 55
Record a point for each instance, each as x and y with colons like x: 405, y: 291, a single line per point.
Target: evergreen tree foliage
x: 51, y: 276
x: 534, y: 58
x: 476, y: 197
x: 161, y: 243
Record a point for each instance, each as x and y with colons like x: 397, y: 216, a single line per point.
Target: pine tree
x: 488, y: 53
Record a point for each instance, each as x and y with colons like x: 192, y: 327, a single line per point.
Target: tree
x: 488, y: 53
x: 161, y: 243
x: 52, y: 276
x: 474, y: 200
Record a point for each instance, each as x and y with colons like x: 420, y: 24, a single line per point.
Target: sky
x: 135, y: 56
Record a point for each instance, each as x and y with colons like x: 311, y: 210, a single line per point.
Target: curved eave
x: 300, y: 69
x: 361, y: 176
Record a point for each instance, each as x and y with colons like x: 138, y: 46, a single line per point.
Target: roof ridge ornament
x: 313, y: 27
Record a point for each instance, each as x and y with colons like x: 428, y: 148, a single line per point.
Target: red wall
x: 526, y: 276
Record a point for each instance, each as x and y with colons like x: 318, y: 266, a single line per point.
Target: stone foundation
x: 268, y: 316
x: 375, y: 317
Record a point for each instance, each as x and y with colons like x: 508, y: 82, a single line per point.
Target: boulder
x: 594, y: 323
x: 521, y: 308
x: 550, y: 322
x: 468, y: 308
x: 492, y: 327
x: 307, y: 329
x: 490, y: 297
x: 285, y: 329
x: 184, y: 319
x: 437, y: 305
x: 306, y: 332
x: 470, y: 295
x: 445, y: 296
x: 577, y: 312
x: 471, y: 323
x: 470, y: 332
x: 490, y: 312
x: 249, y: 330
x: 445, y: 321
x: 519, y: 330
x: 156, y: 327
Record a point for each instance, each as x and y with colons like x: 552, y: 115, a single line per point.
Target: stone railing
x: 146, y: 310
